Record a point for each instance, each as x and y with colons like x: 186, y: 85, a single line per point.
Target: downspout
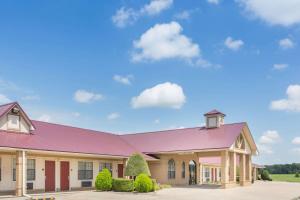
x: 24, y: 189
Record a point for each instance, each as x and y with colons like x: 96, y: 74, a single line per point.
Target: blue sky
x: 134, y: 66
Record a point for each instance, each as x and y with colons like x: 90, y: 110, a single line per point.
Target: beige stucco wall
x: 7, y: 183
x: 159, y: 169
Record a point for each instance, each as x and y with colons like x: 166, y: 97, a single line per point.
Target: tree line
x: 283, y: 168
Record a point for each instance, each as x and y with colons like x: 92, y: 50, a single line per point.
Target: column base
x: 245, y: 183
x: 229, y: 185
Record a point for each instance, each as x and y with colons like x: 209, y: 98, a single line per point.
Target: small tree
x: 137, y: 165
x: 297, y: 175
x: 104, y: 180
x: 265, y: 175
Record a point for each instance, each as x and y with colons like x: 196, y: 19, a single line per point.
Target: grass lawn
x: 285, y: 177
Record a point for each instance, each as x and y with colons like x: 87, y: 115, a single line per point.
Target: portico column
x: 224, y: 168
x: 200, y: 174
x: 242, y: 169
x: 249, y: 167
x: 20, y: 173
x: 232, y: 167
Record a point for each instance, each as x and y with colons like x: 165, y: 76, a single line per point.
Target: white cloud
x: 113, y: 116
x: 274, y: 12
x: 156, y: 6
x: 31, y: 97
x: 124, y: 16
x: 83, y: 96
x: 167, y: 94
x: 126, y: 80
x: 264, y: 149
x: 286, y: 43
x: 45, y: 118
x: 164, y: 41
x: 269, y: 137
x: 4, y: 99
x: 291, y: 103
x: 280, y: 66
x: 213, y: 1
x: 128, y: 16
x: 296, y: 140
x: 233, y: 44
x: 183, y: 15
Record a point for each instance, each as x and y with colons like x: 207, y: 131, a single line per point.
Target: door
x: 120, y: 170
x: 49, y: 176
x: 64, y: 175
x: 193, y: 174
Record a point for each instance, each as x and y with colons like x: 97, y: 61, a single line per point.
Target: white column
x: 242, y: 169
x: 232, y: 167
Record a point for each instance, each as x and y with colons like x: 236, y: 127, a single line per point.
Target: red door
x: 64, y: 175
x: 120, y: 170
x: 49, y: 176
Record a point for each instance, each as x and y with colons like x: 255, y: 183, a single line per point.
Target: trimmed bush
x: 122, y: 185
x: 136, y: 165
x: 265, y: 175
x: 297, y: 175
x: 104, y: 180
x: 143, y: 183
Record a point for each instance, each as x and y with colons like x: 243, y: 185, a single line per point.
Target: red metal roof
x: 54, y: 137
x: 213, y: 112
x: 198, y: 138
x: 5, y: 108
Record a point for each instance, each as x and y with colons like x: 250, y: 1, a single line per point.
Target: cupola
x: 214, y: 119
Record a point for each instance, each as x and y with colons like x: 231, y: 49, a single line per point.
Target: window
x: 212, y: 122
x: 183, y: 170
x: 30, y: 169
x: 105, y: 165
x: 13, y: 122
x: 171, y: 169
x: 14, y: 164
x: 85, y: 170
x: 207, y: 174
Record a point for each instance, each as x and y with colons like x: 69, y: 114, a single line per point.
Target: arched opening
x: 171, y: 169
x: 192, y: 172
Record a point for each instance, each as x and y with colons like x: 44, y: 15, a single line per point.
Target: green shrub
x: 143, y: 183
x: 136, y: 165
x: 265, y: 175
x: 104, y: 180
x: 122, y: 185
x: 297, y: 175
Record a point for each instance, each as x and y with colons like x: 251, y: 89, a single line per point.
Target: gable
x: 15, y: 120
x: 245, y: 142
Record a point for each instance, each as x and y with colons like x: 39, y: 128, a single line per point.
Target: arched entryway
x: 192, y: 172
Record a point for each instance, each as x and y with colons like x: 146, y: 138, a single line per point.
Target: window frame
x: 86, y: 173
x: 30, y: 169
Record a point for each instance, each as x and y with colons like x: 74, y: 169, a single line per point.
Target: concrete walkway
x: 260, y: 190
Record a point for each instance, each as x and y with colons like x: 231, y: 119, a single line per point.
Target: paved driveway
x: 260, y: 190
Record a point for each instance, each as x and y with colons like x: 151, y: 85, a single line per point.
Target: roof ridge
x: 14, y: 102
x: 152, y: 132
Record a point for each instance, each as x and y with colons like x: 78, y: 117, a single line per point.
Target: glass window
x: 207, y: 174
x: 171, y: 169
x: 14, y: 164
x: 85, y: 170
x: 30, y: 169
x: 183, y: 170
x: 105, y: 165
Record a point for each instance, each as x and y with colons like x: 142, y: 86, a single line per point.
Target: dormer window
x: 13, y: 122
x: 212, y: 122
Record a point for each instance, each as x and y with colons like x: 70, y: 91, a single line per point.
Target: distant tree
x: 136, y: 165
